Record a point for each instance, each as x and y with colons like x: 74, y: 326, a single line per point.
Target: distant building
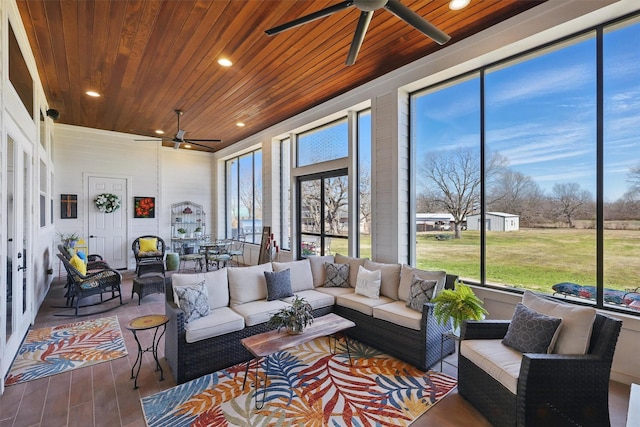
x: 495, y: 221
x: 434, y: 221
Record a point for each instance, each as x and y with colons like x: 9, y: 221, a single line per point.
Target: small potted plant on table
x: 295, y: 318
x: 458, y: 304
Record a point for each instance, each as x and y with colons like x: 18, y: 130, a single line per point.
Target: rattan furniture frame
x: 553, y: 389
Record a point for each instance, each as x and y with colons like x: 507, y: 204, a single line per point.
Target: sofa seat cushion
x: 218, y: 322
x: 301, y: 277
x: 398, y: 313
x: 315, y: 298
x: 257, y: 312
x: 336, y: 291
x: 361, y: 303
x: 496, y: 359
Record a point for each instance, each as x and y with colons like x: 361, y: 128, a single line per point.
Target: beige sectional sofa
x: 239, y: 306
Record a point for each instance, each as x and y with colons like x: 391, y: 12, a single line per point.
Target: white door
x: 108, y: 231
x: 17, y: 311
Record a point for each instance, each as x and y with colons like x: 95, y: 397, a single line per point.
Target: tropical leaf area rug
x: 56, y: 349
x: 306, y: 386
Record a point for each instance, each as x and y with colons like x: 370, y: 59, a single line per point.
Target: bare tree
x: 365, y: 195
x: 250, y: 192
x: 335, y: 205
x: 516, y: 193
x: 633, y: 178
x: 570, y: 201
x: 451, y: 179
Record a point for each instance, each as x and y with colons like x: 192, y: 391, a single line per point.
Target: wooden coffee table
x: 268, y: 343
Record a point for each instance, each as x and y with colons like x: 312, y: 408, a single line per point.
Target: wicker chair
x: 98, y: 282
x: 553, y: 389
x: 94, y: 261
x: 151, y: 261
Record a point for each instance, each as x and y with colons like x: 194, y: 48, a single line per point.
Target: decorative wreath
x: 107, y: 202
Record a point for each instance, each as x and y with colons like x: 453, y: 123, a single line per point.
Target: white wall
x: 169, y: 175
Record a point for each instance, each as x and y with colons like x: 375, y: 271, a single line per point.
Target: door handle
x: 22, y: 267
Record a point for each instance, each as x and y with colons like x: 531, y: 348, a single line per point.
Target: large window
x: 325, y: 143
x: 509, y: 190
x: 244, y: 196
x: 364, y: 184
x: 285, y: 194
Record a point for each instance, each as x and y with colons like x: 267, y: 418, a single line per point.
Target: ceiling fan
x: 367, y: 8
x: 179, y: 138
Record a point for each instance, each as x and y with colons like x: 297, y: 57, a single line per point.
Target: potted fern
x: 458, y: 304
x: 295, y: 317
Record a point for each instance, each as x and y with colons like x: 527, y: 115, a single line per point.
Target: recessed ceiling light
x: 240, y: 124
x: 187, y: 146
x: 225, y: 62
x: 160, y: 132
x: 92, y: 93
x: 458, y: 4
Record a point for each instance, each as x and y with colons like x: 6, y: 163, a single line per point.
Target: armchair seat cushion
x: 218, y: 322
x: 496, y: 359
x: 361, y: 303
x: 398, y: 313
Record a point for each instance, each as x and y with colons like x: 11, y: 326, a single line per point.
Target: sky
x: 541, y: 113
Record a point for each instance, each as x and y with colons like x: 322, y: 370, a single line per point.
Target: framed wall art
x: 144, y: 207
x: 68, y: 206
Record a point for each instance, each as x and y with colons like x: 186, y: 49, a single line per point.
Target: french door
x: 323, y: 213
x: 17, y: 307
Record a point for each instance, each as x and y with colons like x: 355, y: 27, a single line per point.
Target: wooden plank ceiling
x: 148, y: 58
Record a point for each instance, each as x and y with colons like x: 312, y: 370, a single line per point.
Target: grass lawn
x: 535, y: 258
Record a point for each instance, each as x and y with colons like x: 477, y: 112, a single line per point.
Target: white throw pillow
x: 368, y: 283
x: 247, y: 284
x: 301, y: 277
x: 390, y: 277
x: 577, y: 323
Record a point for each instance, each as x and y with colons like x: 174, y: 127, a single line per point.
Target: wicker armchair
x: 149, y: 261
x: 553, y: 389
x: 98, y: 282
x: 94, y: 261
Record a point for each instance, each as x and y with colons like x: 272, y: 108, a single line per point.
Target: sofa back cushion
x: 406, y: 277
x: 217, y: 286
x: 354, y: 263
x: 317, y: 268
x: 247, y: 284
x: 301, y: 277
x: 390, y: 277
x: 577, y: 322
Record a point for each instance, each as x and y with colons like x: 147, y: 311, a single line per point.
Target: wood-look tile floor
x: 103, y: 395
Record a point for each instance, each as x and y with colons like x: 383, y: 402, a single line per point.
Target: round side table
x: 143, y: 323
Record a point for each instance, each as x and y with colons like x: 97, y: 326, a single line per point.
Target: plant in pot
x: 182, y: 232
x: 197, y: 231
x: 69, y: 240
x: 458, y: 304
x: 294, y: 318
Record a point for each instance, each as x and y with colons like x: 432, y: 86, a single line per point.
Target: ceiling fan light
x: 225, y: 62
x: 458, y: 4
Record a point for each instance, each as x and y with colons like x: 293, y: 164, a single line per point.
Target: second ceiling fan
x: 179, y: 138
x: 367, y: 8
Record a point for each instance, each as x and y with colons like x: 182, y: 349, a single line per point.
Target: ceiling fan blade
x: 309, y: 18
x: 189, y: 141
x: 416, y: 21
x: 358, y: 37
x: 180, y: 134
x: 203, y: 140
x: 154, y: 140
